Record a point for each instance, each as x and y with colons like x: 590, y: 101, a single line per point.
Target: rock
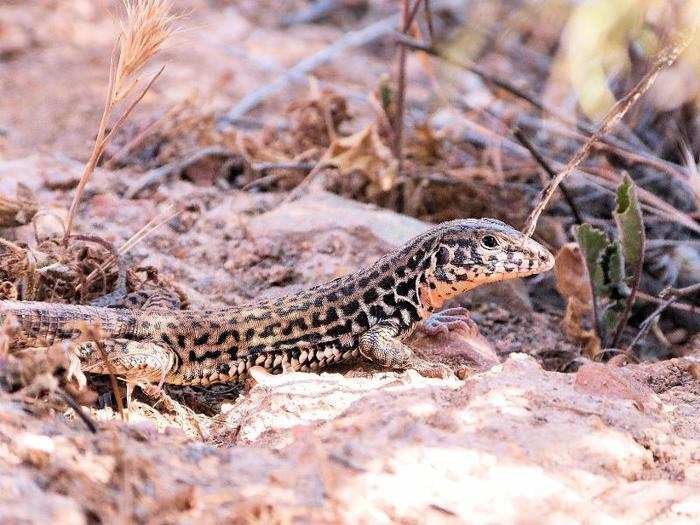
x: 326, y: 211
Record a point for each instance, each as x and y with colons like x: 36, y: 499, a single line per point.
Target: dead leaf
x: 428, y: 144
x: 572, y: 284
x: 570, y: 274
x: 365, y: 152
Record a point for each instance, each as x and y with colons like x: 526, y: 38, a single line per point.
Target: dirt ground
x: 530, y: 430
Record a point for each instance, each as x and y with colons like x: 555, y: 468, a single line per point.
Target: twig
x: 610, y: 143
x: 155, y: 175
x: 308, y: 180
x: 144, y: 29
x: 673, y: 295
x: 313, y: 13
x: 522, y: 138
x: 96, y: 152
x: 92, y: 333
x: 118, y: 257
x: 604, y: 180
x: 300, y: 166
x: 140, y: 136
x: 408, y: 15
x: 349, y: 40
x: 112, y: 379
x: 664, y: 59
x: 683, y: 307
x: 71, y: 402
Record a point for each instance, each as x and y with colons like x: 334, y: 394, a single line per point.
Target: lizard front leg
x: 135, y: 360
x: 381, y: 345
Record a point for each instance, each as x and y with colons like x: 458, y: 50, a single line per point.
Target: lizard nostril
x: 544, y: 257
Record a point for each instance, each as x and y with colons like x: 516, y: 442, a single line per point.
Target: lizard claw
x: 456, y: 319
x: 428, y: 369
x: 75, y: 372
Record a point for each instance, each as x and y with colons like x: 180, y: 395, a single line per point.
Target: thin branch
x: 301, y: 69
x: 407, y: 17
x: 581, y: 129
x: 155, y: 175
x: 71, y: 402
x: 664, y: 59
x: 96, y: 152
x: 130, y: 108
x: 673, y: 295
x: 522, y: 138
x: 682, y: 307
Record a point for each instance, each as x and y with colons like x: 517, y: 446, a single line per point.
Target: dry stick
x: 658, y: 206
x: 407, y: 17
x: 594, y: 176
x: 610, y: 143
x: 348, y: 41
x: 683, y: 307
x: 428, y: 14
x: 673, y: 296
x: 147, y: 229
x: 522, y: 138
x: 112, y: 379
x: 95, y: 155
x: 99, y: 148
x: 665, y: 59
x: 140, y: 136
x: 155, y: 175
x: 71, y: 402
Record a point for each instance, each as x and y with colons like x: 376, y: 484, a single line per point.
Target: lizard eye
x: 489, y: 241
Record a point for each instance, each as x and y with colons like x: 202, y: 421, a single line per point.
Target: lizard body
x: 367, y: 312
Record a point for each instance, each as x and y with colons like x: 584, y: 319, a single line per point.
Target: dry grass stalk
x: 147, y: 24
x: 93, y: 333
x: 667, y: 57
x: 161, y: 218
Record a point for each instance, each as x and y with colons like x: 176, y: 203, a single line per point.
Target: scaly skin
x: 366, y: 313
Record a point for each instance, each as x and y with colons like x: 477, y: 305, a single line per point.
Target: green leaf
x: 615, y: 289
x: 613, y: 263
x: 593, y: 243
x: 630, y: 224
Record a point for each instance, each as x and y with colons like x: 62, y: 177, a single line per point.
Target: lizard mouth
x: 539, y: 260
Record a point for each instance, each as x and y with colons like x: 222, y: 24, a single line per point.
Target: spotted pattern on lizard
x: 368, y: 312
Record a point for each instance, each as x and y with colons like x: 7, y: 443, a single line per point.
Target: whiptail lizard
x: 366, y: 313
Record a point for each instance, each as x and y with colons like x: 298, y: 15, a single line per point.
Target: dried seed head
x: 144, y: 28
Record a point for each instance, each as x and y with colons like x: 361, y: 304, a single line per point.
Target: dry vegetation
x: 578, y: 122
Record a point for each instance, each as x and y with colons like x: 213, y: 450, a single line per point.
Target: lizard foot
x: 447, y: 321
x: 379, y: 344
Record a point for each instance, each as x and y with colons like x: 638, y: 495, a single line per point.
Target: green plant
x: 615, y: 266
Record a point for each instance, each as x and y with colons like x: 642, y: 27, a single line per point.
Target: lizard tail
x: 36, y: 324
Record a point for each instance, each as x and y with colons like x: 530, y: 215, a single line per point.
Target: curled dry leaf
x: 365, y: 152
x: 572, y: 284
x: 19, y: 210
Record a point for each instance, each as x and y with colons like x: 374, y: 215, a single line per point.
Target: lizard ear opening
x: 442, y: 256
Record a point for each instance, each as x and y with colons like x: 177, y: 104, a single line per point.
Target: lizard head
x: 469, y: 252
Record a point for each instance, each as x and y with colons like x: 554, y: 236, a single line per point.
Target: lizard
x: 366, y: 313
